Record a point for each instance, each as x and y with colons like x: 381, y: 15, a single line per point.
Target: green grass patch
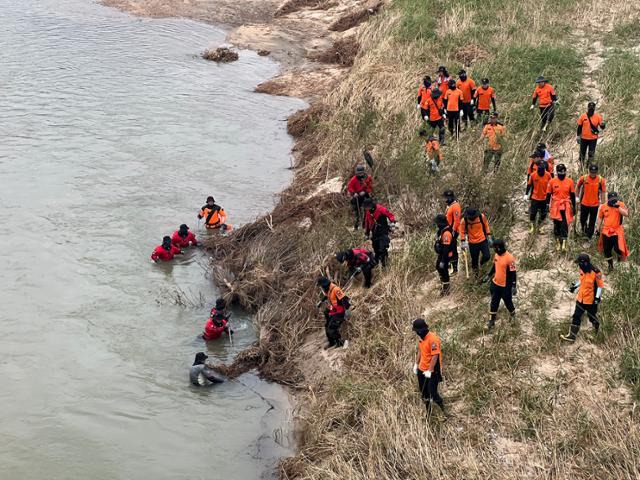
x: 618, y: 76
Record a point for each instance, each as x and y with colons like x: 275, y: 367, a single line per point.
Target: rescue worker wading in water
x: 166, y: 251
x: 561, y: 196
x: 378, y: 223
x: 444, y: 251
x: 359, y: 187
x: 218, y: 322
x: 503, y: 284
x: 359, y: 260
x: 611, y: 230
x: 589, y: 289
x: 214, y: 215
x: 475, y: 235
x: 336, y: 311
x: 428, y: 366
x: 454, y: 215
x: 183, y: 237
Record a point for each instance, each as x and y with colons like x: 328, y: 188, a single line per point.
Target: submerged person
x: 201, y: 374
x: 218, y: 322
x: 183, y: 237
x: 213, y: 214
x: 166, y: 251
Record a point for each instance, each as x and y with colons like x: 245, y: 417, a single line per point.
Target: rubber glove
x: 427, y: 374
x: 441, y: 265
x: 415, y: 368
x: 532, y: 107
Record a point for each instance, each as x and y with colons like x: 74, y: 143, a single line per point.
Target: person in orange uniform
x: 561, y: 196
x: 589, y: 289
x: 475, y: 235
x: 611, y: 229
x: 454, y: 215
x: 545, y: 95
x: 468, y: 88
x: 592, y: 191
x: 485, y: 98
x: 503, y: 284
x: 214, y: 215
x: 428, y: 366
x: 453, y: 104
x: 443, y: 78
x: 444, y: 250
x: 589, y: 126
x: 494, y: 132
x: 423, y: 92
x: 434, y: 108
x: 539, y: 156
x: 336, y: 311
x: 432, y: 151
x: 537, y: 186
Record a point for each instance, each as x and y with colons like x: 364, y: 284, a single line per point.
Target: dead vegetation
x: 356, y: 17
x: 303, y: 120
x: 343, y: 52
x: 290, y: 6
x: 220, y: 55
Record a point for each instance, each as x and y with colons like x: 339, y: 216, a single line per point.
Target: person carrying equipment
x: 214, y: 215
x: 166, y: 251
x: 428, y: 366
x: 444, y: 251
x: 452, y: 103
x: 423, y: 93
x: 539, y: 156
x: 485, y: 98
x: 183, y: 237
x: 589, y: 288
x: 592, y: 191
x: 475, y: 235
x: 432, y: 150
x: 503, y: 284
x: 359, y: 187
x: 537, y: 185
x: 454, y: 215
x: 201, y: 375
x: 588, y: 133
x: 359, y: 260
x: 443, y: 78
x: 335, y: 312
x: 434, y: 108
x: 545, y: 95
x: 611, y: 231
x: 218, y: 322
x: 468, y: 88
x: 494, y: 133
x: 561, y: 196
x: 378, y: 223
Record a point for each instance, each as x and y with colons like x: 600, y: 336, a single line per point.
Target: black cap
x: 435, y: 93
x: 541, y: 79
x: 184, y: 227
x: 561, y: 167
x: 494, y: 115
x: 541, y: 146
x: 591, y: 105
x: 419, y: 324
x: 452, y: 83
x: 485, y: 80
x: 448, y: 193
x: 583, y: 258
x: 341, y: 256
x: 221, y: 304
x: 442, y: 68
x: 612, y: 195
x: 200, y: 358
x: 166, y: 239
x: 499, y: 245
x: 593, y: 168
x: 323, y: 282
x: 360, y: 168
x: 462, y: 72
x: 471, y: 212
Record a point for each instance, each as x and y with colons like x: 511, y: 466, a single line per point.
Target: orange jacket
x: 453, y: 214
x: 494, y: 133
x: 428, y: 347
x: 213, y: 217
x: 454, y: 99
x: 561, y: 189
x: 589, y: 283
x: 591, y: 190
x: 474, y: 229
x: 432, y: 149
x: 503, y: 264
x: 466, y: 88
x: 586, y: 124
x: 539, y: 185
x: 544, y: 95
x: 532, y: 165
x: 447, y: 239
x: 484, y: 97
x: 433, y: 108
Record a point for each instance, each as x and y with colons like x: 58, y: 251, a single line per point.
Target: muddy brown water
x: 112, y: 133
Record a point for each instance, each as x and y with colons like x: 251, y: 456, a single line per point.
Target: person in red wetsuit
x: 183, y: 237
x: 359, y: 187
x: 378, y: 222
x: 166, y: 251
x: 218, y: 322
x: 359, y: 260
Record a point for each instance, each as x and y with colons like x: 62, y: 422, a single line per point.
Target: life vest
x: 214, y: 217
x: 213, y: 331
x: 438, y: 246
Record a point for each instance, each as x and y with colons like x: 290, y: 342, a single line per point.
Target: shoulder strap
x: 483, y: 217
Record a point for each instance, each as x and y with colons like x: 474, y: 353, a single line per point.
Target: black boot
x: 573, y: 333
x: 446, y: 289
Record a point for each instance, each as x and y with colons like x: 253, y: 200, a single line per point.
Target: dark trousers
x: 495, y: 155
x: 453, y: 121
x: 587, y: 145
x: 475, y: 249
x: 366, y: 273
x: 467, y: 113
x: 561, y: 227
x: 497, y: 294
x: 429, y: 388
x: 444, y: 274
x: 381, y: 244
x: 538, y: 207
x: 454, y: 245
x: 546, y: 115
x: 590, y: 310
x: 439, y: 124
x: 610, y: 245
x: 356, y: 204
x: 483, y: 115
x: 588, y: 216
x: 332, y: 329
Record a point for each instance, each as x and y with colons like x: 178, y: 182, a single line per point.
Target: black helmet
x: 166, y: 240
x: 499, y: 246
x: 593, y: 168
x: 591, y: 106
x: 449, y: 194
x: 369, y: 203
x: 420, y: 324
x: 200, y: 358
x: 184, y: 228
x: 221, y: 304
x: 440, y: 220
x: 561, y: 168
x: 323, y: 282
x: 542, y: 147
x: 583, y: 258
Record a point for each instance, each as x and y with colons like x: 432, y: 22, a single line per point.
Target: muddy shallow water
x: 112, y: 134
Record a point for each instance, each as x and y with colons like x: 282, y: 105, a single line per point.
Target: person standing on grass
x: 503, y: 284
x: 611, y: 231
x: 454, y: 215
x: 589, y: 126
x: 452, y: 103
x: 475, y: 235
x: 360, y: 187
x: 468, y: 88
x: 485, y: 97
x: 432, y: 151
x: 337, y: 305
x: 443, y: 79
x: 537, y: 186
x: 561, y: 197
x: 434, y: 116
x: 428, y: 366
x: 592, y: 191
x: 589, y: 288
x: 545, y: 95
x: 423, y: 92
x: 444, y: 250
x: 494, y: 133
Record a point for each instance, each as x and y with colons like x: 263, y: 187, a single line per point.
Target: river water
x: 112, y: 133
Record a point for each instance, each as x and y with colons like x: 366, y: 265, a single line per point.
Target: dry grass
x: 220, y: 55
x: 343, y: 52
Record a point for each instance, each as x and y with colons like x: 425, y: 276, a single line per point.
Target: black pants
x: 590, y: 310
x: 484, y: 116
x: 546, y: 115
x: 454, y: 245
x: 588, y: 216
x: 538, y: 207
x: 356, y: 204
x: 495, y: 155
x: 366, y: 273
x: 497, y: 294
x: 475, y: 249
x: 453, y: 121
x: 381, y: 244
x: 429, y: 388
x: 444, y: 274
x: 610, y: 245
x: 467, y: 113
x: 587, y: 145
x: 561, y: 227
x: 332, y: 329
x: 439, y: 124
